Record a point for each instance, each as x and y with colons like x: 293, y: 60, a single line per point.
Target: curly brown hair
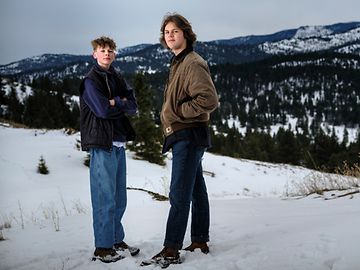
x: 102, y: 42
x: 181, y: 22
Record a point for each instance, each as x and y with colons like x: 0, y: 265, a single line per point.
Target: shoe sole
x: 162, y: 263
x: 118, y: 258
x: 132, y: 250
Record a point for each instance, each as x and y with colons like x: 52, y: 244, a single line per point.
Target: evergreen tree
x: 232, y: 144
x: 3, y: 98
x: 42, y: 167
x: 15, y: 108
x: 287, y: 148
x: 147, y: 144
x: 47, y: 109
x: 36, y: 112
x: 345, y: 138
x: 74, y: 120
x: 322, y: 150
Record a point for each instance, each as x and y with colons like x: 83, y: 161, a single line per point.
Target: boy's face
x: 174, y: 38
x: 104, y: 56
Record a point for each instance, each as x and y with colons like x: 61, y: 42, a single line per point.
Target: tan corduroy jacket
x: 189, y: 95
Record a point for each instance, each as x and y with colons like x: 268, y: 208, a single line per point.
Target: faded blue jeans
x: 108, y: 194
x: 187, y: 187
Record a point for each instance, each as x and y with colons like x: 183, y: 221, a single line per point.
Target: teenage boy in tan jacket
x: 189, y: 98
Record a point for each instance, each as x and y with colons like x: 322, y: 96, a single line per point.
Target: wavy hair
x: 102, y: 42
x: 181, y: 22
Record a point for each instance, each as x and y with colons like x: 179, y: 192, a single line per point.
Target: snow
x: 311, y: 39
x: 312, y: 31
x: 292, y: 122
x: 22, y: 91
x: 254, y: 225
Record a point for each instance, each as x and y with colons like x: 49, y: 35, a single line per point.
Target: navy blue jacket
x: 100, y: 123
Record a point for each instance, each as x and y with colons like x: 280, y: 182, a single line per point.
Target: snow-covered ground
x: 253, y: 224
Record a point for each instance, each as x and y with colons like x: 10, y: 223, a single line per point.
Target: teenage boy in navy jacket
x: 105, y: 100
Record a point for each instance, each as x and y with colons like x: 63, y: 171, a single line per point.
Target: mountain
x: 152, y: 58
x: 317, y: 38
x: 35, y: 64
x: 287, y: 34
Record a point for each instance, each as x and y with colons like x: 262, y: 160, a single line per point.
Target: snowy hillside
x: 46, y: 219
x: 312, y: 39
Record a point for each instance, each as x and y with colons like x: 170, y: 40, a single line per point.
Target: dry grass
x: 347, y: 170
x: 5, y: 122
x: 346, y: 178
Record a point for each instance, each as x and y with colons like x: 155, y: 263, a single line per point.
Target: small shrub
x: 5, y: 222
x: 348, y: 170
x: 50, y: 212
x: 69, y: 131
x: 87, y: 160
x: 155, y: 196
x: 2, y: 238
x: 79, y: 207
x: 42, y: 167
x: 78, y: 144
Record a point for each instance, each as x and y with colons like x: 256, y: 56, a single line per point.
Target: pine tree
x: 287, y: 149
x: 15, y: 108
x: 147, y: 144
x: 37, y: 113
x: 42, y: 168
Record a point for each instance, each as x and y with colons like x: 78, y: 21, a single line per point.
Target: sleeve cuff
x: 118, y: 102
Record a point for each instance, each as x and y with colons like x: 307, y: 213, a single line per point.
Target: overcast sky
x: 34, y: 27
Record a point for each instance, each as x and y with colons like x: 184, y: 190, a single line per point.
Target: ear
x: 94, y: 55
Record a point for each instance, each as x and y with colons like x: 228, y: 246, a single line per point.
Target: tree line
x: 323, y: 152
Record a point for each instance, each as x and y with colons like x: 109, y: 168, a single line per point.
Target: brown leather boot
x: 202, y: 246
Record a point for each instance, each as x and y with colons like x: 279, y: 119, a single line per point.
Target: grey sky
x: 33, y: 27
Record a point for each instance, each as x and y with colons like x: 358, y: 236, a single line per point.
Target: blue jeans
x: 108, y: 195
x: 187, y: 187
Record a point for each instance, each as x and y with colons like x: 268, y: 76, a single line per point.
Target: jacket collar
x: 99, y: 69
x: 181, y: 56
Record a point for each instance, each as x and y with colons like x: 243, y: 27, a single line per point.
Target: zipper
x: 110, y: 96
x: 108, y: 86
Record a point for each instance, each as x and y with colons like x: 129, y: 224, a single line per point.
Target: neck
x: 179, y: 50
x: 104, y: 67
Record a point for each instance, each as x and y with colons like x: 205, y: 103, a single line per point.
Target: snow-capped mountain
x: 288, y: 34
x: 151, y: 58
x: 315, y: 38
